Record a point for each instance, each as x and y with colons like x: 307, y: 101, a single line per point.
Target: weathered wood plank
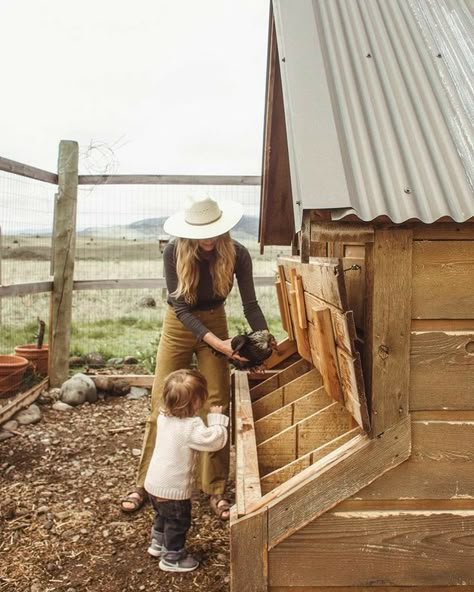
x: 352, y: 382
x: 248, y: 551
x: 286, y: 349
x: 326, y: 353
x: 336, y: 477
x: 287, y: 393
x: 334, y: 232
x: 443, y: 276
x: 169, y: 180
x: 22, y: 400
x: 247, y: 471
x: 302, y: 437
x: 144, y: 380
x: 284, y: 376
x: 285, y: 321
x: 282, y: 418
x: 354, y: 277
x: 442, y: 370
x: 284, y: 474
x: 282, y: 274
x: 440, y: 466
x: 25, y: 170
x: 444, y: 231
x: 389, y: 280
x: 321, y: 277
x: 301, y: 334
x: 370, y: 589
x: 407, y: 548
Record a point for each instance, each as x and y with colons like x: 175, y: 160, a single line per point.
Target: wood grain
x: 284, y: 376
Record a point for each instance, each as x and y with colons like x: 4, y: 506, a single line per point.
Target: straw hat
x: 203, y: 218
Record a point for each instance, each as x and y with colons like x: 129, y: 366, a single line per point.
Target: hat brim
x: 177, y: 226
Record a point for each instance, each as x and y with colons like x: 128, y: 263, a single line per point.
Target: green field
x: 108, y: 321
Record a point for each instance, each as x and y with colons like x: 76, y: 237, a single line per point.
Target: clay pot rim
x: 12, y: 360
x: 32, y: 346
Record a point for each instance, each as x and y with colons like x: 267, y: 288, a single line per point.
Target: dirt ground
x: 61, y: 527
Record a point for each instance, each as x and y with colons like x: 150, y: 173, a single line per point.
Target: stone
x: 10, y: 425
x: 61, y: 406
x: 78, y: 389
x: 136, y: 392
x: 115, y: 362
x: 120, y: 387
x: 76, y: 361
x: 147, y: 302
x: 130, y: 360
x: 4, y: 435
x: 30, y: 415
x: 95, y: 360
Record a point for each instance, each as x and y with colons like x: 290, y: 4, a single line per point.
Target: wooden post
x: 64, y: 244
x: 388, y: 323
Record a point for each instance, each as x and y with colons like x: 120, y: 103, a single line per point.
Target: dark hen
x: 256, y: 347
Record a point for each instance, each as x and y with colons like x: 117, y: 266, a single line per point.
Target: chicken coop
x: 354, y: 466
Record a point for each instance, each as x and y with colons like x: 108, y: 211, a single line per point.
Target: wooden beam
x: 22, y: 400
x: 301, y: 334
x: 340, y: 232
x: 247, y: 471
x: 286, y: 305
x: 244, y: 180
x: 336, y: 477
x: 64, y: 254
x: 248, y: 552
x: 25, y: 170
x: 143, y: 380
x: 388, y: 318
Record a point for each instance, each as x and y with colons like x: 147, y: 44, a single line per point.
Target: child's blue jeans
x: 173, y: 519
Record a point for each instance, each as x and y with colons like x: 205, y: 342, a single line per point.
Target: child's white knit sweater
x: 178, y: 440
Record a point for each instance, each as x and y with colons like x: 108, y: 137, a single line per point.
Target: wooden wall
x: 414, y: 526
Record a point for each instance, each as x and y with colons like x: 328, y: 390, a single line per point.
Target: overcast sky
x: 154, y: 86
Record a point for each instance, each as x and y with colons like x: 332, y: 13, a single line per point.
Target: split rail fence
x: 62, y: 283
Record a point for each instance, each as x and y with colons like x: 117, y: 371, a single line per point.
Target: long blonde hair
x: 221, y: 267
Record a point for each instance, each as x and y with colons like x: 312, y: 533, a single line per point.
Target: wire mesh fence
x: 119, y: 295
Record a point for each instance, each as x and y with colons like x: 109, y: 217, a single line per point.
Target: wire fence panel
x: 119, y: 239
x: 26, y: 223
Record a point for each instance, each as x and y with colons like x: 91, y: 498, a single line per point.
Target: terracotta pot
x: 12, y: 370
x: 38, y: 356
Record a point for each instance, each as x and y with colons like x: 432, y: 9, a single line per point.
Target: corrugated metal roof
x: 379, y: 106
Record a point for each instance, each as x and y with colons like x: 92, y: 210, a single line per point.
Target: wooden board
x: 427, y: 548
x: 389, y: 282
x: 322, y: 277
x: 302, y: 437
x: 443, y: 277
x: 301, y: 334
x: 282, y: 294
x: 354, y: 279
x: 282, y: 475
x: 284, y: 376
x: 352, y: 383
x: 287, y: 393
x: 442, y: 370
x: 247, y: 472
x: 440, y: 466
x: 286, y: 349
x: 248, y: 551
x: 326, y: 353
x: 282, y: 418
x: 336, y: 477
x: 21, y: 401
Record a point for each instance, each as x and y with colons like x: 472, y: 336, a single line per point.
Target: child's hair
x: 181, y: 390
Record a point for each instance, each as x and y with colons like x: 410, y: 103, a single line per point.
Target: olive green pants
x: 175, y: 351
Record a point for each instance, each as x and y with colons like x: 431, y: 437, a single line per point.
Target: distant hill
x: 152, y: 228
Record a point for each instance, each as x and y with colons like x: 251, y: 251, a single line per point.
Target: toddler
x: 169, y: 480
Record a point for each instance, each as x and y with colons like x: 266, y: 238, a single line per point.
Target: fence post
x: 64, y: 245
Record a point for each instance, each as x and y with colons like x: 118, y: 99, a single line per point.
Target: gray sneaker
x: 156, y: 546
x: 187, y: 563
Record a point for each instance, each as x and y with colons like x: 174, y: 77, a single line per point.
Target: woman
x: 199, y: 269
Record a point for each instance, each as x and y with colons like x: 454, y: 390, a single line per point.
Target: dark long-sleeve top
x: 206, y: 299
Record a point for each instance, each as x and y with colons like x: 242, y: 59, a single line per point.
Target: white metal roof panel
x: 379, y: 105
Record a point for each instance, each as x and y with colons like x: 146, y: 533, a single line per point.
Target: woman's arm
x: 244, y: 274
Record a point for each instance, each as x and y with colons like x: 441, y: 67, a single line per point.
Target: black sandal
x: 220, y: 505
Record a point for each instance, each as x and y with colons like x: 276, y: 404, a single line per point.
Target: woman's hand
x: 215, y: 409
x: 222, y: 346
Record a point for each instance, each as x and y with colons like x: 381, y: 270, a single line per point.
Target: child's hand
x: 215, y: 409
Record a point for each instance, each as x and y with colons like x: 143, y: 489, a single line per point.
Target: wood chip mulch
x: 61, y: 527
